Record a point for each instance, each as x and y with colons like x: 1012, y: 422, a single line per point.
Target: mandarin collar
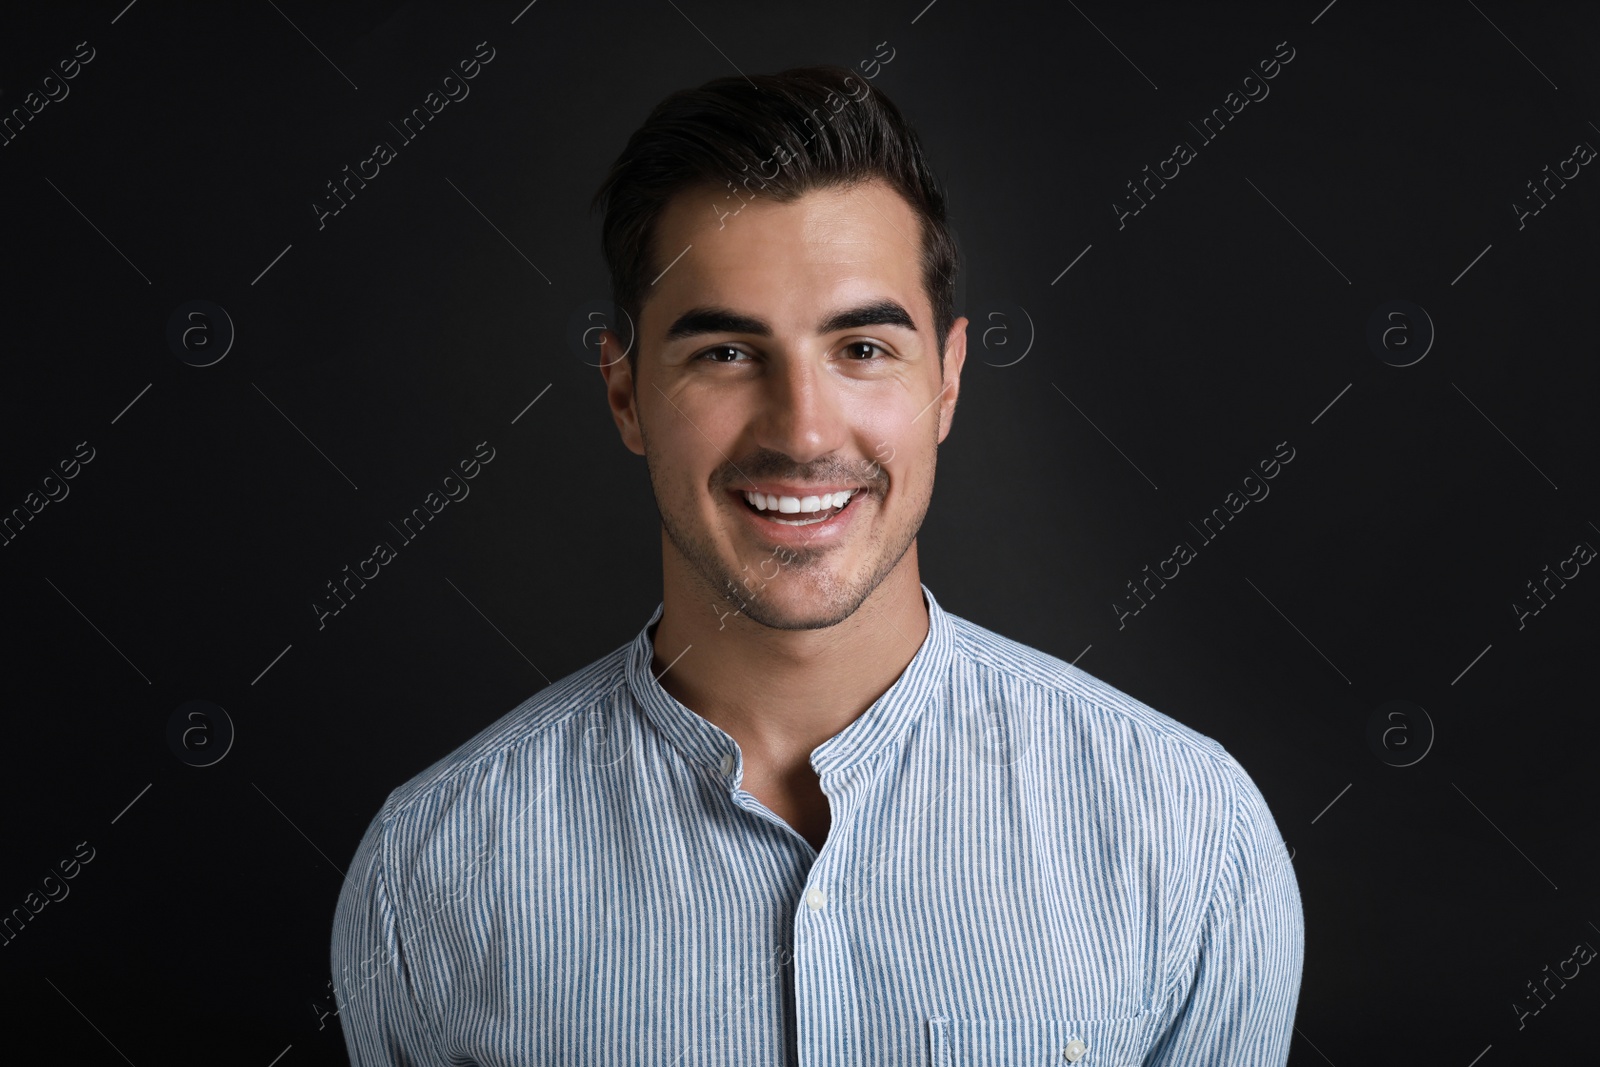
x: 708, y: 746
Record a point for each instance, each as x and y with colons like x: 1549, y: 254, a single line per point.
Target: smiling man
x: 807, y: 815
x: 789, y: 408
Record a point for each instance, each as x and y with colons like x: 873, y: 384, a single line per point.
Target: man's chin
x: 796, y: 598
x: 787, y: 619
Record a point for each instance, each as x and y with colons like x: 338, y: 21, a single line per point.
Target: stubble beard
x: 746, y: 590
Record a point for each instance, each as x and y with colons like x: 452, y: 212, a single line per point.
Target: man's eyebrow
x: 876, y: 313
x: 703, y: 320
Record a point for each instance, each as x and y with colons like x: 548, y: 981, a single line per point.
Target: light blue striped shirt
x: 1023, y: 865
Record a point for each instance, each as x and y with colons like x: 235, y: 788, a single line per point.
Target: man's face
x: 790, y: 352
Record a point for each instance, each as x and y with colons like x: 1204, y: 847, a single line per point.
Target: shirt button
x: 727, y: 763
x: 815, y: 899
x: 1074, y: 1051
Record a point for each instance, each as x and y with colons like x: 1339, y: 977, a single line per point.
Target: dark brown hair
x: 819, y: 126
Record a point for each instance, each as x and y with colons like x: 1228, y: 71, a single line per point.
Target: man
x: 807, y: 815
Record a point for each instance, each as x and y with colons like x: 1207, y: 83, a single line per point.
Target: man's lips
x: 819, y: 516
x: 781, y: 489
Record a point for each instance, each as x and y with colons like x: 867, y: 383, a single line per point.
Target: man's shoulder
x: 1128, y: 742
x: 476, y: 766
x: 1070, y: 692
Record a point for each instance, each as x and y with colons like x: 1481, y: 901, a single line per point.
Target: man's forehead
x: 833, y: 248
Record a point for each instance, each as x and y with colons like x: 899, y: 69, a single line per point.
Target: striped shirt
x: 1023, y: 865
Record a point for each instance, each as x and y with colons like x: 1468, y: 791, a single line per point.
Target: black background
x: 1176, y: 353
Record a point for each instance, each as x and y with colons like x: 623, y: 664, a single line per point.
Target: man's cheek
x: 882, y: 456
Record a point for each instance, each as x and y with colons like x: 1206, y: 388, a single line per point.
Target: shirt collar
x: 707, y: 745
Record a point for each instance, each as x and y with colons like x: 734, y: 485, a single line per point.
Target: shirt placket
x: 827, y: 994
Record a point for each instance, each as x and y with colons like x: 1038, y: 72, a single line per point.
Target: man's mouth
x: 798, y: 511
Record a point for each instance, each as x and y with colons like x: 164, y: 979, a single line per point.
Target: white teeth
x: 791, y: 505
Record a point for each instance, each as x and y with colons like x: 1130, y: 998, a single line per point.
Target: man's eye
x: 863, y: 351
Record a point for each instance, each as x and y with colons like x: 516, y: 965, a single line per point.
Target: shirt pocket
x: 1120, y: 1041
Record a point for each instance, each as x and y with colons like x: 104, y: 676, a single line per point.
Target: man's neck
x: 781, y: 693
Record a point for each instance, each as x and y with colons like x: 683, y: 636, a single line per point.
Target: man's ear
x: 622, y: 392
x: 955, y: 357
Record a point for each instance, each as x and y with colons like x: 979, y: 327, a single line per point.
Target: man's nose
x: 803, y: 414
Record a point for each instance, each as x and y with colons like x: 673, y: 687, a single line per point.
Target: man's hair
x: 731, y: 133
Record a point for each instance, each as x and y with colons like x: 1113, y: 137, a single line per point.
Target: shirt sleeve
x: 381, y: 1017
x: 1240, y: 1008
